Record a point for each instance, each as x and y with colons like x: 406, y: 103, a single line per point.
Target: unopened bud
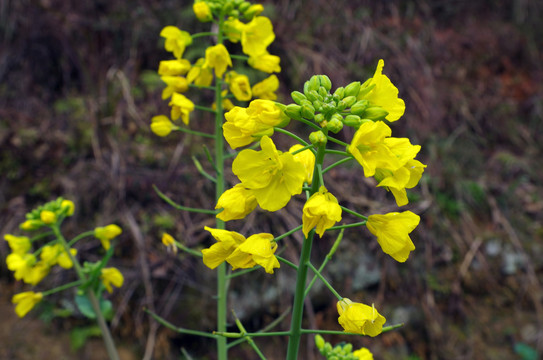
x: 348, y: 101
x: 297, y: 97
x: 319, y: 118
x: 325, y: 82
x: 359, y: 107
x: 340, y: 93
x: 352, y: 89
x: 334, y: 125
x: 375, y: 113
x: 293, y: 111
x: 353, y: 121
x: 313, y: 96
x: 308, y: 111
x: 312, y: 84
x: 318, y: 138
x: 252, y: 11
x: 323, y: 92
x: 319, y: 342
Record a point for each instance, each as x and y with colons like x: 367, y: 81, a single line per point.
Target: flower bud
x: 334, y: 125
x: 244, y: 6
x: 252, y: 11
x: 325, y: 82
x: 293, y: 111
x: 323, y: 92
x: 313, y: 96
x: 348, y: 101
x: 347, y: 349
x: 359, y: 107
x: 228, y: 7
x: 312, y: 84
x: 353, y: 121
x: 31, y: 225
x: 375, y: 113
x: 319, y: 342
x: 352, y: 89
x: 308, y: 111
x: 318, y: 138
x: 297, y: 97
x: 319, y: 118
x: 340, y: 93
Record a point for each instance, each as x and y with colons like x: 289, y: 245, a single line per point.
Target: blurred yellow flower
x: 200, y: 75
x: 218, y: 58
x: 359, y: 318
x: 18, y: 244
x: 68, y: 206
x: 20, y: 264
x: 392, y: 232
x: 202, y: 11
x: 112, y: 276
x: 239, y: 85
x: 25, y: 302
x: 161, y: 125
x: 174, y: 84
x: 181, y: 107
x: 107, y: 233
x: 173, y: 67
x: 48, y: 217
x: 176, y: 40
x: 363, y: 354
x: 307, y: 159
x: 256, y: 36
x: 322, y: 211
x: 266, y: 88
x: 233, y: 28
x: 265, y: 62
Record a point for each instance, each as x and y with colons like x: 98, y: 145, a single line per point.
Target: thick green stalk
x: 104, y: 329
x: 299, y: 295
x: 222, y: 349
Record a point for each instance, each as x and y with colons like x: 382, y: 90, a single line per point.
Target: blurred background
x: 78, y: 87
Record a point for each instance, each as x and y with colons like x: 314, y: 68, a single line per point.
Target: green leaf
x: 84, y: 305
x: 526, y: 352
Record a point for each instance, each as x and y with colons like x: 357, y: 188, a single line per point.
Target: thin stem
x: 310, y: 146
x: 310, y: 123
x: 294, y: 136
x: 286, y: 262
x: 200, y: 34
x: 333, y: 139
x: 79, y: 237
x: 249, y: 339
x: 181, y: 207
x: 239, y: 57
x: 181, y: 330
x: 338, y: 152
x: 62, y: 287
x: 325, y: 282
x: 326, y: 259
x: 342, y: 161
x: 194, y: 132
x: 208, y: 109
x: 297, y: 228
x: 188, y: 250
x: 347, y: 210
x: 337, y: 332
x: 339, y: 227
x: 202, y: 171
x: 202, y: 87
x: 257, y: 334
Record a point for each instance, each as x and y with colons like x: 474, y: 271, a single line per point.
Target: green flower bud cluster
x: 47, y: 214
x: 341, y: 351
x: 345, y: 106
x: 235, y: 8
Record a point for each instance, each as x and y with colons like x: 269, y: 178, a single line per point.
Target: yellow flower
x: 369, y: 149
x: 233, y: 28
x: 227, y: 242
x: 200, y: 75
x: 218, y: 58
x: 169, y: 242
x: 107, y: 233
x: 245, y: 125
x: 173, y: 67
x: 363, y: 354
x: 20, y: 264
x: 239, y: 85
x: 48, y: 217
x: 36, y: 273
x: 359, y: 318
x: 239, y: 252
x: 253, y: 10
x: 111, y: 276
x: 174, y: 84
x: 265, y: 62
x: 273, y: 176
x: 25, y: 302
x: 258, y: 249
x: 18, y: 244
x: 392, y: 232
x: 30, y: 225
x: 321, y: 210
x: 176, y: 40
x: 69, y: 207
x: 161, y: 125
x: 181, y: 107
x: 307, y: 159
x: 383, y: 94
x: 266, y: 88
x: 406, y: 177
x: 202, y: 11
x: 236, y: 203
x: 256, y: 36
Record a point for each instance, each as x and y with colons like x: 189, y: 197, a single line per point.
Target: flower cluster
x: 343, y: 351
x: 31, y: 258
x: 239, y: 22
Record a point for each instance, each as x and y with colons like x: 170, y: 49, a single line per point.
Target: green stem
x: 222, y: 288
x: 249, y: 339
x: 294, y: 136
x: 338, y: 152
x: 239, y: 57
x: 200, y: 34
x: 286, y: 262
x: 179, y: 329
x: 338, y: 332
x: 342, y: 161
x: 333, y: 139
x: 79, y: 237
x: 194, y: 132
x: 208, y: 109
x: 106, y: 334
x: 181, y: 207
x: 310, y: 123
x: 326, y: 259
x: 325, y: 282
x: 297, y: 228
x: 62, y: 288
x: 339, y: 227
x: 347, y: 210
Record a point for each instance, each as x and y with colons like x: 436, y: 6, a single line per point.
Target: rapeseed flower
x: 272, y: 176
x: 321, y: 210
x: 363, y: 354
x: 383, y: 94
x: 107, y: 233
x: 18, y: 244
x: 48, y: 217
x: 265, y: 62
x: 176, y: 40
x: 181, y: 107
x: 266, y: 88
x: 392, y: 232
x: 307, y: 159
x: 111, y: 276
x: 174, y: 84
x: 218, y: 58
x: 256, y: 36
x: 199, y: 74
x: 202, y: 11
x: 173, y: 67
x: 239, y: 85
x: 161, y: 125
x: 359, y: 318
x: 25, y: 302
x: 236, y: 203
